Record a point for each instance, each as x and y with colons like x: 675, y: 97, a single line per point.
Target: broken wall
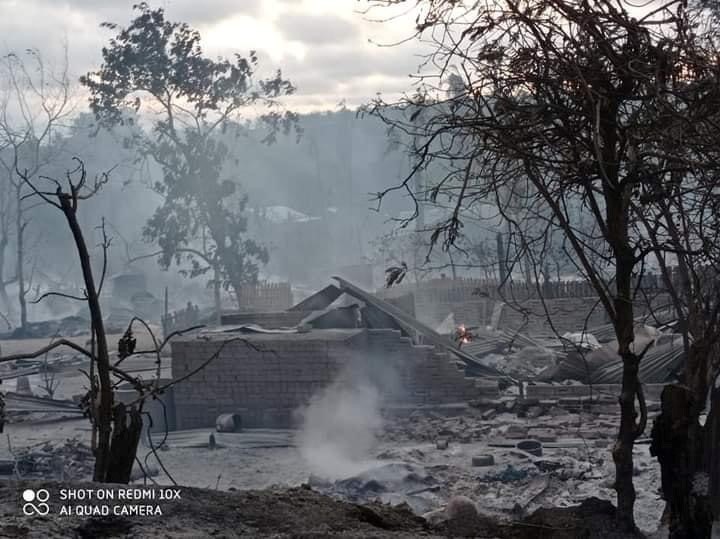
x: 266, y: 387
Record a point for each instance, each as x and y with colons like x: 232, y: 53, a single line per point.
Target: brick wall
x: 419, y: 375
x: 266, y: 386
x: 471, y: 313
x: 571, y: 305
x: 596, y: 391
x: 567, y: 314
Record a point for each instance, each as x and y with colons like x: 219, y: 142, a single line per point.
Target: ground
x: 286, y: 513
x: 517, y: 487
x: 205, y: 513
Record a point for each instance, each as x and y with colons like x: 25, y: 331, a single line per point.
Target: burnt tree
x: 590, y: 113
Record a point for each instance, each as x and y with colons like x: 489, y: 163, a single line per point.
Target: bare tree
x: 48, y: 374
x: 568, y: 104
x: 35, y: 101
x: 682, y: 224
x: 116, y: 426
x: 5, y: 228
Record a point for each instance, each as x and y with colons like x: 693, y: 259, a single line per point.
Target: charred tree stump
x: 712, y: 451
x: 677, y: 442
x: 127, y: 427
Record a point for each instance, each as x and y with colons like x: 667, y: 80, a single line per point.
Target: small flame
x: 463, y: 335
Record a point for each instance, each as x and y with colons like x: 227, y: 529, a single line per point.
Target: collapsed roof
x: 377, y: 313
x: 660, y: 364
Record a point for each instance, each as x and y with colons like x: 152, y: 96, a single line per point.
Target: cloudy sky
x: 328, y: 48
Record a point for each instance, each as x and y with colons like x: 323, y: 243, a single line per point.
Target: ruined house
x: 264, y: 366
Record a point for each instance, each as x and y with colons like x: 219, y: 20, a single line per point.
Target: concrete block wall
x: 596, y: 391
x: 472, y: 312
x: 263, y: 386
x: 266, y: 387
x: 419, y: 374
x: 567, y: 314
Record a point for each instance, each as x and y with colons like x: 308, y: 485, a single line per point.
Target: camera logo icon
x: 40, y: 496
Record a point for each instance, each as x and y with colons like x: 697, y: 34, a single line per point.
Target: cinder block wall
x: 472, y: 312
x: 266, y: 387
x: 567, y: 314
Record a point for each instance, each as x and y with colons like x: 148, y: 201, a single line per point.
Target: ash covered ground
x: 420, y: 460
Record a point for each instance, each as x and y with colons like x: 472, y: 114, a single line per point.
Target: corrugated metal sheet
x: 319, y: 301
x: 606, y: 332
x: 498, y: 343
x: 604, y: 366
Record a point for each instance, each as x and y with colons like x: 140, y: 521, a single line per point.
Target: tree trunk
x: 104, y: 415
x: 623, y: 449
x: 20, y: 262
x: 712, y: 450
x: 687, y: 451
x: 218, y: 300
x: 237, y: 292
x: 502, y: 257
x: 125, y: 437
x: 678, y: 442
x: 624, y: 323
x: 3, y: 289
x: 7, y: 305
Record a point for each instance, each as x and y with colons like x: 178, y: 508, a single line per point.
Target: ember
x: 463, y: 335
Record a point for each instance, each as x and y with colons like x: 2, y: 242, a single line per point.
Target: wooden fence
x: 265, y: 297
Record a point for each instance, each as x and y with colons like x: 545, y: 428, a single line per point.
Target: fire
x: 463, y: 334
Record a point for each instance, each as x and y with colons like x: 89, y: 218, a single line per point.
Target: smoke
x: 340, y: 425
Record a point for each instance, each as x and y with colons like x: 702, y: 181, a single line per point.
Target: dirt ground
x: 234, y: 466
x: 283, y: 513
x: 203, y: 513
x: 515, y: 480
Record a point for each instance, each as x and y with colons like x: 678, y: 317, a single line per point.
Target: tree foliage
x: 155, y: 66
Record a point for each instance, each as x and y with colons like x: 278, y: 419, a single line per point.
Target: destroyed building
x: 264, y: 366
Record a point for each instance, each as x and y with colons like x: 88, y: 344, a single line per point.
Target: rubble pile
x: 525, y: 363
x: 69, y: 326
x: 574, y: 463
x: 422, y: 426
x: 508, y: 419
x: 393, y: 483
x: 71, y: 460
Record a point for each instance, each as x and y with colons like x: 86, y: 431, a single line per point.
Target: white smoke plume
x: 339, y: 427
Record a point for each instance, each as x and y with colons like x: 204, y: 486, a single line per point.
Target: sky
x: 330, y: 49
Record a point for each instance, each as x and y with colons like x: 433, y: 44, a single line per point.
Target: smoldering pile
x: 393, y: 483
x: 71, y: 460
